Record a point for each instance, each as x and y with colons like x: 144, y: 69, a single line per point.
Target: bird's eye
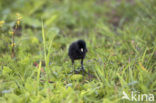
x: 81, y: 49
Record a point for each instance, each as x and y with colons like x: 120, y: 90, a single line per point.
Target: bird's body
x: 77, y: 50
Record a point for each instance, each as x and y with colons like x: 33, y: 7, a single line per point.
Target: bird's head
x: 82, y: 46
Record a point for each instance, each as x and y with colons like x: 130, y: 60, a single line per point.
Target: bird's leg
x: 82, y: 66
x: 73, y: 65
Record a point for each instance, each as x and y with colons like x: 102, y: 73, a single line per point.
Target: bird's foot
x: 79, y: 70
x: 83, y: 70
x: 76, y: 71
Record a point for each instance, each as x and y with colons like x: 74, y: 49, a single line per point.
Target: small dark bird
x: 77, y: 50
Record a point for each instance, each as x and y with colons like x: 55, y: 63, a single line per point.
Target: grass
x: 121, y: 42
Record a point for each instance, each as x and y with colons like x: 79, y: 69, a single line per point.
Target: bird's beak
x: 81, y: 49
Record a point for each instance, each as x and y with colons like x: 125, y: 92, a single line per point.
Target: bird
x: 77, y: 51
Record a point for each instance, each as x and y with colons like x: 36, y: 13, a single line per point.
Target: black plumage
x: 77, y: 50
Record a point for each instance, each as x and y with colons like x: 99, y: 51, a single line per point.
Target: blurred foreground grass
x: 120, y: 36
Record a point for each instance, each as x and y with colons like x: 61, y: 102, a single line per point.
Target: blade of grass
x: 38, y: 77
x: 45, y: 55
